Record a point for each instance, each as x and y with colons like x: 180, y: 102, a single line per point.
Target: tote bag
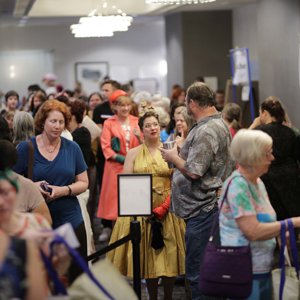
x: 286, y: 278
x: 59, y: 291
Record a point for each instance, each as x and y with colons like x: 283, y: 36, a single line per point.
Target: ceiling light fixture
x: 101, y: 25
x: 172, y: 2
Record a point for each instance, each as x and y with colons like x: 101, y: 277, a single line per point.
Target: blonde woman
x: 118, y: 137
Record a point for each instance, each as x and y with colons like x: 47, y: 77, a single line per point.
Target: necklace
x: 50, y: 150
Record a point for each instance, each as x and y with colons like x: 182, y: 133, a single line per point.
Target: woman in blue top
x: 59, y: 170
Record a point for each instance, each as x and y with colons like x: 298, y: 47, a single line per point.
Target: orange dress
x: 108, y: 201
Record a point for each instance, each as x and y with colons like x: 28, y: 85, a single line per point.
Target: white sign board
x: 134, y: 195
x: 241, y: 75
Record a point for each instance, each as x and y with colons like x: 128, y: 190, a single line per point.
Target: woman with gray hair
x: 247, y: 215
x: 183, y: 124
x: 23, y: 127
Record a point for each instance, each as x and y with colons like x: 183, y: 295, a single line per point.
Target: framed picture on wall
x: 90, y: 74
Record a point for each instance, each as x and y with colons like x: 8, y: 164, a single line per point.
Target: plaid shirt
x: 206, y: 152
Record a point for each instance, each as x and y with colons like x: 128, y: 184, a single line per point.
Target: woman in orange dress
x: 120, y: 133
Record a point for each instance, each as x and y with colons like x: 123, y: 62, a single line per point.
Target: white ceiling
x: 50, y: 8
x: 48, y: 12
x: 68, y: 8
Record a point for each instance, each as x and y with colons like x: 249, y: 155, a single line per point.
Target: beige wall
x: 271, y: 30
x: 202, y: 41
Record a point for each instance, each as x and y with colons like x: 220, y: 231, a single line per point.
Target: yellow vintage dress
x: 169, y: 260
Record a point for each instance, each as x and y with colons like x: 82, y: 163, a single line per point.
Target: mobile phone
x: 45, y: 187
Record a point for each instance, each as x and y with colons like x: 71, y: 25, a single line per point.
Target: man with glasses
x: 200, y: 169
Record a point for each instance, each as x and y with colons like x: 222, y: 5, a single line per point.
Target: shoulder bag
x: 226, y: 271
x: 30, y: 160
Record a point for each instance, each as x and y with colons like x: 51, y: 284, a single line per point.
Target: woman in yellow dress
x: 168, y: 261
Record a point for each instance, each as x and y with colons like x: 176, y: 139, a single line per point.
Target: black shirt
x: 102, y: 112
x: 282, y: 180
x: 82, y: 137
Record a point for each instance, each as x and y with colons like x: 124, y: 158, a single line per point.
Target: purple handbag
x: 226, y: 271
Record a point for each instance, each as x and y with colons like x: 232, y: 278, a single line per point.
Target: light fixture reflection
x: 99, y: 25
x: 172, y: 2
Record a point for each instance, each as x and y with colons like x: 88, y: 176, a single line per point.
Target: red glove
x: 162, y: 210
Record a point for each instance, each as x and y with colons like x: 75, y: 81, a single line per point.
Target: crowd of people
x: 61, y: 153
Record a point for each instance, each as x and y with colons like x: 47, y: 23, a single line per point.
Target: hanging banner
x: 240, y: 68
x: 241, y: 75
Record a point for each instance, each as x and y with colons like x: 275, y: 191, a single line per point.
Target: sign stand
x: 129, y: 186
x: 135, y: 233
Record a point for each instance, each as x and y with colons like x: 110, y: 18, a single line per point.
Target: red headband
x: 116, y: 94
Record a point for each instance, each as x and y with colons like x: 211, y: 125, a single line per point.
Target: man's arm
x: 173, y: 157
x: 179, y: 163
x: 200, y: 155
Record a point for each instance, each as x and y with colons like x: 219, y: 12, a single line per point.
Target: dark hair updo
x: 274, y: 107
x: 147, y: 114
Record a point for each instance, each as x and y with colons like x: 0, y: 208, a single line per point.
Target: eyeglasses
x: 150, y: 125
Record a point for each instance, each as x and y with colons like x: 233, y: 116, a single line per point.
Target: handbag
x: 109, y: 276
x: 115, y: 144
x: 285, y: 279
x: 157, y: 239
x: 226, y: 271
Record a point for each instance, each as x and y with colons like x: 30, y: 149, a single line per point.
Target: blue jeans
x: 196, y: 238
x: 261, y: 288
